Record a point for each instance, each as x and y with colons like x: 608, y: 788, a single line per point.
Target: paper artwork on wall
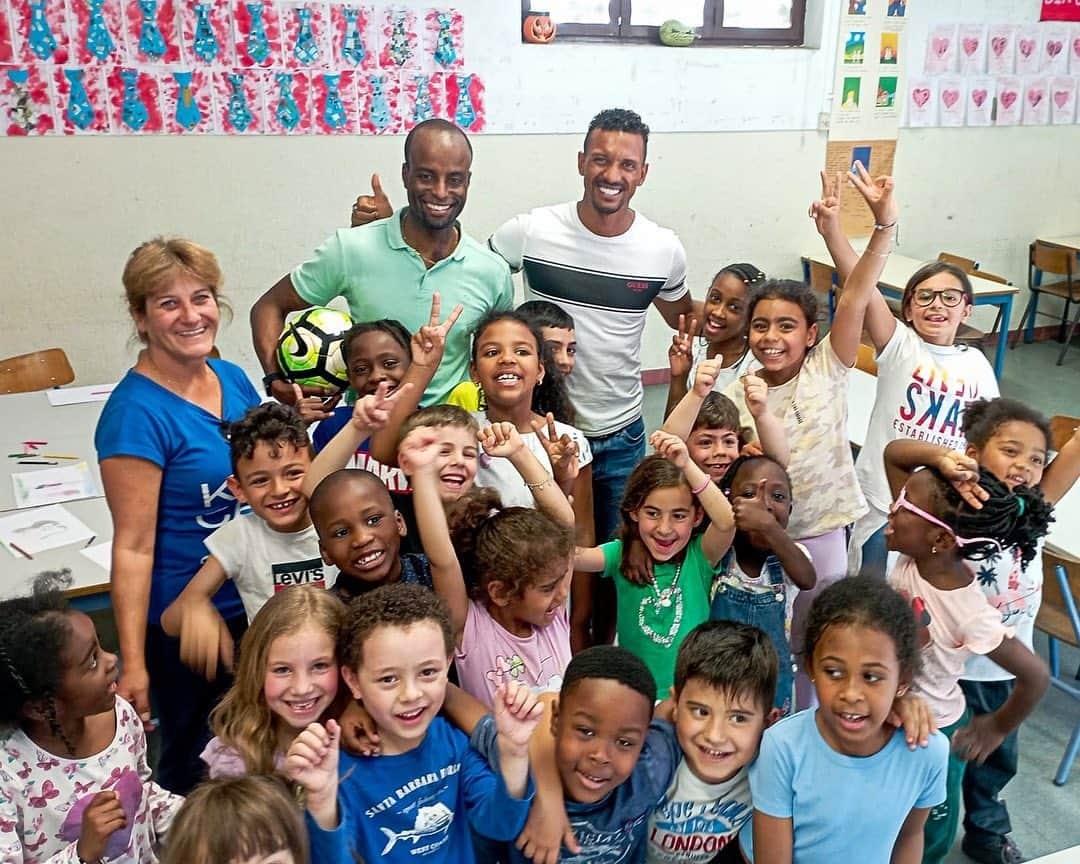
x: 980, y: 100
x: 922, y: 102
x: 1062, y: 100
x: 134, y: 101
x: 98, y: 33
x: 1036, y: 110
x: 1001, y: 57
x: 952, y: 101
x: 238, y: 101
x: 26, y: 101
x: 1009, y: 101
x: 1055, y: 50
x: 972, y: 54
x: 941, y: 50
x: 40, y: 31
x: 1028, y: 49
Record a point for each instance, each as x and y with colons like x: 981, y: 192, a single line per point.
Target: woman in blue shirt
x: 164, y: 463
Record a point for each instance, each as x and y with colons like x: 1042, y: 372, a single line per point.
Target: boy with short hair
x: 557, y: 328
x: 409, y: 802
x: 262, y: 552
x: 725, y: 681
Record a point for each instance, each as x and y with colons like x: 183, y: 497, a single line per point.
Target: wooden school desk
x: 1071, y: 241
x: 899, y: 268
x: 69, y: 430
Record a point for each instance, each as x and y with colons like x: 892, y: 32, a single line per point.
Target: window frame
x: 711, y: 33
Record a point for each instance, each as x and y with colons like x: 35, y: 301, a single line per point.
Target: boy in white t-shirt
x: 262, y: 552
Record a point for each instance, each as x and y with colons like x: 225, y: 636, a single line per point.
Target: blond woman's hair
x: 243, y: 720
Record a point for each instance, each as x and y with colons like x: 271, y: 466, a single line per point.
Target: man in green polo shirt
x: 391, y: 267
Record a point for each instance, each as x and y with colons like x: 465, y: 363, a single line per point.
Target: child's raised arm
x: 903, y: 456
x: 369, y: 413
x: 427, y: 347
x: 751, y: 515
x: 1063, y: 471
x: 984, y: 734
x: 417, y: 456
x: 860, y: 288
x: 717, y: 537
x: 770, y: 430
x: 680, y: 361
x: 501, y: 440
x: 312, y: 762
x: 680, y: 420
x: 517, y: 713
x: 204, y: 636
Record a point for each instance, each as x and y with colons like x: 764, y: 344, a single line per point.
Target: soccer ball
x: 309, y: 348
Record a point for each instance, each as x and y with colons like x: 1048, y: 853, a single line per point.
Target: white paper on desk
x: 54, y: 485
x: 78, y: 395
x: 100, y: 555
x: 45, y: 528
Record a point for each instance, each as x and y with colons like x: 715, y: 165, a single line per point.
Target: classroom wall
x: 76, y: 207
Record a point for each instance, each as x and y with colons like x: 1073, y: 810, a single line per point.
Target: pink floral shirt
x: 43, y: 798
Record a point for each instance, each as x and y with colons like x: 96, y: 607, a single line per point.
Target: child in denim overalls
x: 758, y: 578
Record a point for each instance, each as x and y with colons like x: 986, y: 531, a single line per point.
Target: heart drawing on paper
x: 1027, y: 46
x: 1007, y: 98
x: 920, y: 96
x: 1053, y: 47
x: 1076, y: 47
x: 998, y: 44
x: 940, y: 46
x: 1035, y: 96
x: 1061, y: 98
x: 978, y: 97
x: 950, y: 97
x: 970, y: 46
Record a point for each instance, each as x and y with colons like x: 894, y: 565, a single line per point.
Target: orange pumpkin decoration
x: 538, y: 28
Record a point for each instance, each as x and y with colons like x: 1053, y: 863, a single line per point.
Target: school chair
x: 38, y: 370
x: 1059, y: 261
x: 823, y: 281
x: 967, y: 335
x: 866, y: 360
x: 1059, y: 620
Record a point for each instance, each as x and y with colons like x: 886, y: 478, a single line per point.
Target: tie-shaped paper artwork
x: 134, y: 101
x: 188, y: 114
x: 306, y: 49
x: 258, y: 46
x: 151, y: 42
x: 422, y: 97
x: 400, y: 39
x: 305, y: 32
x: 287, y: 96
x: 25, y: 102
x: 443, y: 37
x: 81, y: 100
x: 464, y: 101
x: 206, y: 33
x: 238, y: 101
x: 42, y: 41
x: 239, y: 114
x: 99, y: 41
x: 187, y: 101
x: 133, y: 113
x: 352, y: 46
x: 151, y: 32
x: 334, y: 103
x: 205, y: 45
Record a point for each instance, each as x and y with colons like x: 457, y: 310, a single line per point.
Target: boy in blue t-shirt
x: 412, y: 802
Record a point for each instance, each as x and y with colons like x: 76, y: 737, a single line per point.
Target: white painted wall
x: 76, y: 207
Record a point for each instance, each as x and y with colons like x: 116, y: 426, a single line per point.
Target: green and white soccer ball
x: 309, y: 349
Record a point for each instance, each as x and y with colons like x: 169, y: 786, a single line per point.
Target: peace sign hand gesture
x: 372, y: 412
x: 562, y: 451
x: 826, y: 211
x: 429, y: 342
x: 681, y: 352
x: 878, y: 194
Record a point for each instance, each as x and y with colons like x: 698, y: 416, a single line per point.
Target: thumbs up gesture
x: 368, y: 208
x: 752, y: 513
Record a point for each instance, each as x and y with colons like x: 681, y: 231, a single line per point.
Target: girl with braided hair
x: 74, y: 779
x: 945, y: 516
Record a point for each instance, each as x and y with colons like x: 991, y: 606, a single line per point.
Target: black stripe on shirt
x: 591, y: 287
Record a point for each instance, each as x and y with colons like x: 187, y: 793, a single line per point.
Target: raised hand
x: 418, y: 450
x: 681, y: 352
x: 671, y: 447
x: 756, y: 393
x: 705, y: 377
x: 751, y: 514
x: 826, y: 211
x: 204, y: 639
x: 359, y: 734
x: 312, y: 409
x: 372, y: 412
x: 877, y: 193
x: 963, y: 472
x: 500, y: 439
x: 312, y: 758
x: 429, y: 342
x: 562, y: 450
x: 102, y: 818
x: 368, y: 208
x: 517, y: 711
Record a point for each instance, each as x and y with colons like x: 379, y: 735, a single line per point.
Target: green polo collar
x: 396, y: 239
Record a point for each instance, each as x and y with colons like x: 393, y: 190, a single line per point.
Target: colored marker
x: 38, y: 462
x: 21, y: 551
x: 47, y: 485
x: 56, y: 456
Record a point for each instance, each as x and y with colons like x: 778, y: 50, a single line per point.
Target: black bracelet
x: 270, y: 378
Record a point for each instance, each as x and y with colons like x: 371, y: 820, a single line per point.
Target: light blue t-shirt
x: 381, y: 276
x: 842, y: 808
x: 146, y: 420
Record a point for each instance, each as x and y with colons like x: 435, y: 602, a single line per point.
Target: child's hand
x: 312, y: 409
x: 914, y: 715
x: 373, y: 411
x: 204, y: 639
x: 637, y: 563
x: 545, y: 833
x: 751, y: 514
x: 878, y: 194
x: 429, y: 342
x: 752, y: 448
x: 671, y: 447
x: 756, y: 394
x: 312, y: 758
x: 826, y: 211
x: 359, y: 734
x: 418, y: 451
x: 500, y: 439
x: 562, y: 451
x: 681, y: 353
x: 705, y: 377
x: 963, y: 472
x: 978, y: 739
x: 102, y: 817
x: 517, y: 711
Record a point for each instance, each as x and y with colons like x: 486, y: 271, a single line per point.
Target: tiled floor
x: 1045, y: 817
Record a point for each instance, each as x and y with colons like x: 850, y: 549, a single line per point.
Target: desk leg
x: 1029, y: 333
x: 1003, y: 336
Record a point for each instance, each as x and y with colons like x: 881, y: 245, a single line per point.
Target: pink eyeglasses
x: 901, y: 503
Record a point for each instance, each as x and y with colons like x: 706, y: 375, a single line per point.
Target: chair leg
x: 1069, y: 334
x: 1023, y: 320
x: 1052, y: 651
x: 1064, y: 322
x: 1069, y: 757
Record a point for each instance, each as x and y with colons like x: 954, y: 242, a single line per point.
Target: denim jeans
x: 986, y: 820
x: 614, y: 457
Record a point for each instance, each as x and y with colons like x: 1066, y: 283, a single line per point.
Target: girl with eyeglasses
x: 925, y: 380
x: 945, y: 516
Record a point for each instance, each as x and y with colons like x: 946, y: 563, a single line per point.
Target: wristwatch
x: 270, y: 378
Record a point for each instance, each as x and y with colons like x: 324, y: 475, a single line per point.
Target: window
x: 733, y: 22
